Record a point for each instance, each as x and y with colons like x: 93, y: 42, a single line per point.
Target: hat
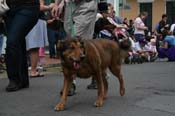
x: 103, y: 7
x: 143, y: 41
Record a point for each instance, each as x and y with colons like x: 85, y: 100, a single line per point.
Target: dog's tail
x: 125, y: 46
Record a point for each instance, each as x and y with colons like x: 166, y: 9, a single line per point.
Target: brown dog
x: 91, y: 58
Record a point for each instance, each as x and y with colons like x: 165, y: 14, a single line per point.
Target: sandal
x: 37, y: 75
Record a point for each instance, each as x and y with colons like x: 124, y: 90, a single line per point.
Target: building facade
x: 155, y: 9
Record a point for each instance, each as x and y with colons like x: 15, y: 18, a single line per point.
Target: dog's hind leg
x: 100, y: 85
x: 116, y: 70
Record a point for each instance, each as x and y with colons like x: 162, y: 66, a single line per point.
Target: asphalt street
x: 150, y: 91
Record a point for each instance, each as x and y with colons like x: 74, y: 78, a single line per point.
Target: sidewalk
x: 51, y: 62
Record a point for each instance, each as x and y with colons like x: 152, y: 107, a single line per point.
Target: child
x: 152, y: 50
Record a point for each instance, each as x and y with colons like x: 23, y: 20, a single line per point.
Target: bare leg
x: 34, y: 56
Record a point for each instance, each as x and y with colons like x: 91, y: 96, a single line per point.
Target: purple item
x: 167, y: 53
x: 139, y: 37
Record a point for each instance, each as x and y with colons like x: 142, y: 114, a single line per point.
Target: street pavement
x: 150, y: 91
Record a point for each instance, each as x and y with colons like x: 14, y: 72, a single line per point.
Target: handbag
x: 3, y: 7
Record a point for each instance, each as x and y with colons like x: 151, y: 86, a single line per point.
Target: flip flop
x: 38, y: 75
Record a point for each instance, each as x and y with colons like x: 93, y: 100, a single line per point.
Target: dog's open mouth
x: 76, y: 65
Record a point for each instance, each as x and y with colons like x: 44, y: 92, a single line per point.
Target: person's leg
x: 51, y: 39
x: 162, y: 53
x: 59, y: 35
x: 34, y: 57
x: 19, y: 23
x: 84, y: 22
x: 171, y: 53
x: 93, y: 84
x: 41, y: 63
x: 84, y: 19
x: 1, y: 43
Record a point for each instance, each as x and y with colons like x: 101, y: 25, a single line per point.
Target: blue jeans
x: 19, y: 22
x: 53, y: 37
x: 1, y: 43
x: 139, y: 37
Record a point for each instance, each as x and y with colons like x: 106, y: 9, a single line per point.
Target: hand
x: 52, y: 5
x: 57, y: 10
x: 146, y: 28
x: 50, y: 21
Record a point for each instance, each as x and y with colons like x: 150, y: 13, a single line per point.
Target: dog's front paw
x: 98, y: 103
x: 59, y: 107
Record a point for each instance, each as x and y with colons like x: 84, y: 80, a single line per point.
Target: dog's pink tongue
x: 76, y: 65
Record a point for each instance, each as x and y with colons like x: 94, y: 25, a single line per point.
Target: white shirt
x: 172, y: 27
x: 138, y: 22
x: 98, y: 16
x: 138, y: 47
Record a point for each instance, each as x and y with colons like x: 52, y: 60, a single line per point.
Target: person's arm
x: 139, y: 26
x: 44, y: 7
x: 57, y: 2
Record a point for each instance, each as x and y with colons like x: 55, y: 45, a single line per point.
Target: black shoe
x: 23, y: 86
x: 15, y: 87
x: 12, y: 87
x: 92, y: 86
x: 169, y: 60
x: 1, y: 70
x: 71, y: 91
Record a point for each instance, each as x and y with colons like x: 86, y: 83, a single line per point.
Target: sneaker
x: 93, y: 85
x: 1, y: 70
x: 29, y: 68
x: 72, y: 90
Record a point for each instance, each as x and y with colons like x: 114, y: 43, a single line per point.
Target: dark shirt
x: 2, y: 29
x: 103, y: 23
x: 162, y: 29
x: 162, y: 24
x: 15, y: 3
